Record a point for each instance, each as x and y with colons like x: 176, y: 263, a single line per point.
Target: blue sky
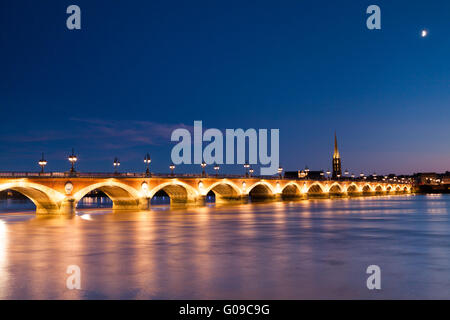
x: 139, y: 69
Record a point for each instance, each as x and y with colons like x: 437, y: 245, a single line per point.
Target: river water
x: 282, y: 250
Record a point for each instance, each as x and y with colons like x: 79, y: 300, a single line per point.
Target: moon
x: 423, y: 33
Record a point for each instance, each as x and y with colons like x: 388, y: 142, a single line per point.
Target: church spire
x: 336, y: 151
x: 337, y: 171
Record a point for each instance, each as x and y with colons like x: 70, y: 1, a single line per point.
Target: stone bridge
x: 59, y: 193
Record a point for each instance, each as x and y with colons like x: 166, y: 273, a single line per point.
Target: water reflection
x: 293, y: 250
x: 95, y: 202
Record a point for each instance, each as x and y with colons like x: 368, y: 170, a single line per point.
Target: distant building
x: 432, y: 182
x: 428, y: 178
x: 292, y: 174
x: 304, y: 174
x: 315, y: 175
x: 446, y: 178
x: 337, y: 171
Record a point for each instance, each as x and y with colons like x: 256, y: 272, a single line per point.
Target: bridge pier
x: 230, y: 199
x: 68, y: 207
x: 144, y: 204
x: 127, y: 205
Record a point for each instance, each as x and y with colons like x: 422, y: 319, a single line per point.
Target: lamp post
x: 216, y: 168
x: 246, y: 166
x: 203, y: 168
x: 72, y: 158
x: 361, y: 175
x: 328, y: 174
x: 171, y: 167
x: 251, y: 172
x: 280, y: 170
x: 116, y: 164
x: 147, y: 161
x: 42, y: 163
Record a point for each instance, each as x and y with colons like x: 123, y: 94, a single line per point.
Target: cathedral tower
x: 336, y: 160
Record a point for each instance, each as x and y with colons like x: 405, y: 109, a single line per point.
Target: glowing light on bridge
x: 304, y: 188
x: 277, y: 188
x: 201, y: 187
x: 145, y: 189
x: 147, y: 161
x: 216, y: 168
x: 72, y: 159
x: 42, y: 163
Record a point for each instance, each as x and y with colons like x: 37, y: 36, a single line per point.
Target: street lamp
x: 346, y: 172
x: 171, y: 167
x: 246, y: 166
x: 306, y: 172
x: 72, y: 158
x: 361, y: 175
x: 42, y: 163
x: 216, y: 168
x: 251, y: 171
x: 147, y: 161
x: 203, y: 168
x: 116, y: 164
x: 280, y: 170
x: 328, y: 173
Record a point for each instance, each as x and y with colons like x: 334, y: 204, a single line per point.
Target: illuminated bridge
x: 59, y: 192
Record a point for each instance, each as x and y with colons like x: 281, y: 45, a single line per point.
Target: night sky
x: 139, y: 69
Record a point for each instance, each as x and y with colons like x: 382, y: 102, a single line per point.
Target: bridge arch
x: 367, y: 188
x: 316, y: 188
x: 224, y: 190
x: 291, y: 190
x: 264, y: 184
x: 379, y: 188
x: 260, y: 190
x: 46, y: 200
x: 178, y: 191
x: 122, y: 195
x: 352, y: 188
x: 335, y: 188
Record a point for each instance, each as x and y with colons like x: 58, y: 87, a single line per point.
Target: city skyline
x: 119, y: 86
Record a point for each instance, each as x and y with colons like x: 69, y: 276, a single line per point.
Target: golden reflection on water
x: 295, y: 249
x: 3, y: 257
